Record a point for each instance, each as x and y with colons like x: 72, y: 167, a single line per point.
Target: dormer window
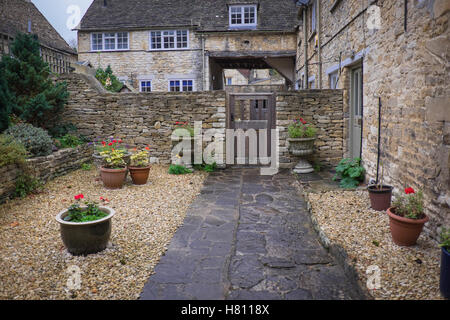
x: 243, y: 16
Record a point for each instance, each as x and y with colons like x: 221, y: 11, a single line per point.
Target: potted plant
x: 139, y: 166
x: 407, y: 218
x: 85, y: 228
x: 301, y: 143
x: 445, y: 263
x: 380, y: 195
x: 114, y: 169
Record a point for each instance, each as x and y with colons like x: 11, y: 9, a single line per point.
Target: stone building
x: 22, y: 16
x: 391, y: 56
x: 160, y: 45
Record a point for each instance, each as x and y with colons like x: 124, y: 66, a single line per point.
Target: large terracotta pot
x: 380, y: 199
x: 405, y: 231
x: 113, y: 178
x: 139, y: 175
x: 82, y: 238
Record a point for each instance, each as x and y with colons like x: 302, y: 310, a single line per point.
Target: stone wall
x: 407, y: 66
x: 141, y: 119
x: 323, y: 109
x: 45, y: 168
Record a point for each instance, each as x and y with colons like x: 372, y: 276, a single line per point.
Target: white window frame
x: 334, y: 78
x: 181, y: 84
x: 116, y: 41
x: 145, y: 80
x: 175, y: 40
x: 243, y: 24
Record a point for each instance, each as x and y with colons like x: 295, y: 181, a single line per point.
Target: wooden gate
x: 251, y: 111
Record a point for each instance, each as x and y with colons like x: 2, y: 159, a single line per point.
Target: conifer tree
x: 38, y: 100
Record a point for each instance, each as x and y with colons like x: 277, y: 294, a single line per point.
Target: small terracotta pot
x: 405, y: 231
x: 113, y: 178
x: 139, y: 175
x: 380, y: 199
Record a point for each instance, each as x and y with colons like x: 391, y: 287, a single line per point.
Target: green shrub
x: 86, y: 166
x: 36, y: 140
x: 108, y: 80
x: 350, y: 172
x: 37, y: 99
x: 206, y: 167
x: 178, y: 169
x: 61, y: 130
x: 26, y: 184
x: 11, y: 151
x: 68, y: 141
x: 445, y: 239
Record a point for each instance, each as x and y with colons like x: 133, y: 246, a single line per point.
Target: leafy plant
x: 36, y: 98
x: 301, y: 129
x: 206, y: 167
x: 445, y: 239
x: 350, y: 172
x: 114, y: 159
x: 140, y: 158
x: 36, y: 140
x: 61, y: 130
x: 26, y: 184
x: 86, y: 166
x: 68, y: 141
x: 183, y: 125
x: 409, y: 205
x: 11, y: 151
x: 89, y: 212
x: 178, y: 169
x: 108, y: 79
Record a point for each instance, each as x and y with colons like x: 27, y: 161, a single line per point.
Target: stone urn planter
x: 380, y: 197
x: 82, y: 238
x: 180, y: 161
x: 405, y: 231
x: 113, y: 178
x: 302, y: 147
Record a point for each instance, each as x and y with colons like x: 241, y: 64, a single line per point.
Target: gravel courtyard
x: 348, y: 221
x: 34, y: 262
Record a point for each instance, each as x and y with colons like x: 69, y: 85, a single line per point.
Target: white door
x: 356, y: 106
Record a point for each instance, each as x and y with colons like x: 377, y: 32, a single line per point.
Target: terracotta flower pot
x: 82, y: 238
x: 405, y: 231
x: 113, y: 178
x: 380, y: 199
x: 139, y: 175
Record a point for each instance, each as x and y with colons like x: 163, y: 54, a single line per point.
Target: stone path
x: 248, y: 237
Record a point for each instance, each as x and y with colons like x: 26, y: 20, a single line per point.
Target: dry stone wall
x: 45, y: 168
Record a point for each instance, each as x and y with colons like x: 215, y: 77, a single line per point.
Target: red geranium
x: 302, y: 121
x: 110, y: 144
x: 79, y: 196
x: 409, y: 190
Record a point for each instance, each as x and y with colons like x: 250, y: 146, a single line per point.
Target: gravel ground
x: 406, y: 272
x: 34, y: 262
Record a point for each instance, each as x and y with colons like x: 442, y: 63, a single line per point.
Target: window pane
x: 97, y: 41
x: 156, y: 40
x: 169, y: 39
x: 110, y: 41
x: 187, y: 85
x: 236, y: 15
x: 249, y: 15
x: 122, y: 40
x: 146, y: 86
x: 175, y: 85
x: 182, y: 39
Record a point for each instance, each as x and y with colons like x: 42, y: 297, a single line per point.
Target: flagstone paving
x: 248, y: 237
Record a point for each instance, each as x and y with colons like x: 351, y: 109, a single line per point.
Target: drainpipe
x: 203, y: 62
x: 319, y: 43
x: 305, y: 40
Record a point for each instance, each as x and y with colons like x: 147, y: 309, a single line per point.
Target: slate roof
x: 208, y: 15
x: 14, y: 16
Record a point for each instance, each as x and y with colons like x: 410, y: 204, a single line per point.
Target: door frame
x: 352, y: 69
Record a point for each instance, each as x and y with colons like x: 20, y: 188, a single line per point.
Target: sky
x: 63, y: 15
